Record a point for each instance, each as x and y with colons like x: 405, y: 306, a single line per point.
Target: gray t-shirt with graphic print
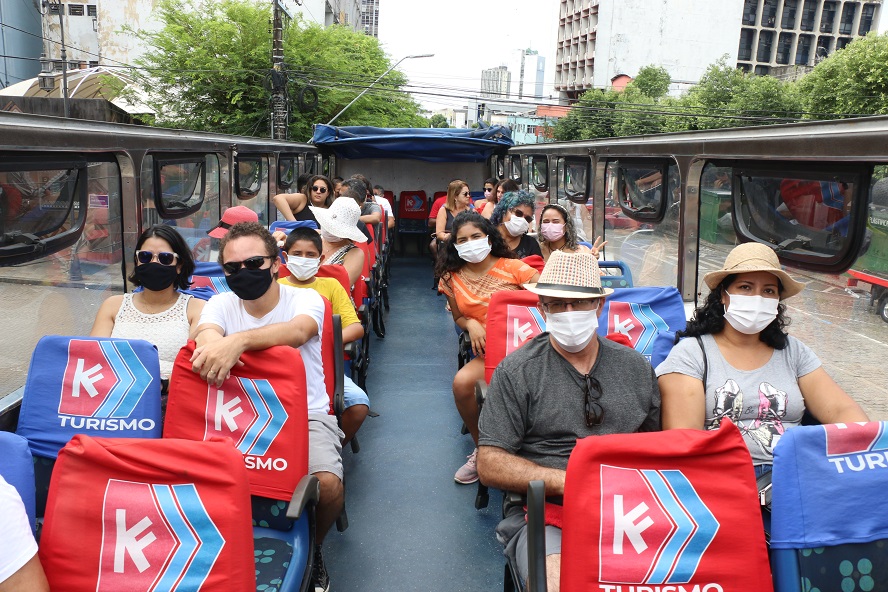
x: 763, y: 403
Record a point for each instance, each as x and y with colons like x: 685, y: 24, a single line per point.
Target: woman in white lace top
x: 158, y: 313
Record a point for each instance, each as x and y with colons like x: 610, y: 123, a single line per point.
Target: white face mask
x: 303, y: 268
x: 330, y: 238
x: 750, y: 314
x: 574, y: 329
x: 474, y: 251
x: 516, y: 225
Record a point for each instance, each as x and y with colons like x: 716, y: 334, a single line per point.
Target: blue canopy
x: 429, y: 144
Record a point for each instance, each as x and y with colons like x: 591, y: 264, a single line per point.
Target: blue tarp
x: 429, y: 144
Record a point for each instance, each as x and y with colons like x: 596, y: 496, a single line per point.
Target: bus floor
x: 411, y: 527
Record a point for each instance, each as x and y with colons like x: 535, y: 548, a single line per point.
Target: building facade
x: 370, y: 17
x: 495, y: 83
x: 531, y: 68
x: 601, y: 40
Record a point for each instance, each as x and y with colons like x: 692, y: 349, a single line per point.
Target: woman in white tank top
x: 158, y: 313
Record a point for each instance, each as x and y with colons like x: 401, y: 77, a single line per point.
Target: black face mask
x: 156, y: 277
x: 250, y: 284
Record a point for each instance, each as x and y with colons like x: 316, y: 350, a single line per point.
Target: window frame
x: 162, y: 159
x: 660, y: 164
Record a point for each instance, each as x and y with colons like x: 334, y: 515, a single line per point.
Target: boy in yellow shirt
x: 303, y: 251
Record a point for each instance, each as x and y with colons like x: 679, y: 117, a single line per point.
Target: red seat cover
x: 337, y: 272
x: 262, y: 407
x: 656, y: 511
x: 413, y: 205
x: 144, y: 515
x: 512, y: 320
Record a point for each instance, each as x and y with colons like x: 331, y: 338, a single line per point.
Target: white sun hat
x: 341, y: 219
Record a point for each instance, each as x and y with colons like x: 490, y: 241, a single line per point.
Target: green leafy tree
x: 207, y: 68
x: 853, y: 80
x: 652, y: 81
x: 438, y: 120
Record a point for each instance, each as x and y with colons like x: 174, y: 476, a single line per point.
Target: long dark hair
x: 449, y: 260
x: 180, y: 248
x: 311, y: 181
x: 709, y: 318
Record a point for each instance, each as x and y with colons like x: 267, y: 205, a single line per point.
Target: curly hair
x: 709, y: 318
x: 510, y: 201
x: 570, y: 227
x: 242, y: 229
x: 180, y: 248
x: 449, y: 260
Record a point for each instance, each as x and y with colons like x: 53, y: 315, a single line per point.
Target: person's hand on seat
x: 214, y: 360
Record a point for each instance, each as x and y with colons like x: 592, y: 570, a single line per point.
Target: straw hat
x: 230, y: 217
x: 341, y: 219
x: 570, y: 275
x: 750, y: 257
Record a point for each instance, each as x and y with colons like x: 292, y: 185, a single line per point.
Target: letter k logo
x: 127, y: 543
x: 227, y: 412
x: 623, y: 326
x: 87, y: 379
x: 521, y: 333
x: 625, y: 525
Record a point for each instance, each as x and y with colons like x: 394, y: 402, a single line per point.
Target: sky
x: 466, y: 36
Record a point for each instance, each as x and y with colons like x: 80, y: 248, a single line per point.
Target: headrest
x: 17, y: 468
x: 88, y: 385
x: 262, y: 407
x: 148, y: 515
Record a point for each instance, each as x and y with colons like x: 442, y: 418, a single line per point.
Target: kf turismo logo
x: 638, y: 322
x: 247, y: 411
x: 414, y: 203
x: 103, y: 379
x: 524, y: 323
x: 655, y: 528
x: 857, y: 446
x: 214, y: 283
x: 156, y: 537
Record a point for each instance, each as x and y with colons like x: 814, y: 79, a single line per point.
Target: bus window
x: 515, y: 168
x: 179, y: 185
x: 716, y: 224
x: 251, y: 184
x: 574, y: 192
x: 809, y: 216
x: 61, y: 290
x: 287, y: 172
x: 538, y: 180
x: 649, y: 246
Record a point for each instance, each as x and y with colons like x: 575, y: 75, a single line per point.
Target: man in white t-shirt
x: 380, y: 198
x: 260, y: 313
x: 20, y: 569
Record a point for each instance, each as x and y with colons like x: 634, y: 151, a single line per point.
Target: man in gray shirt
x: 564, y: 384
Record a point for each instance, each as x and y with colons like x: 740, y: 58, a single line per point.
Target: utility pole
x: 279, y: 107
x: 61, y: 8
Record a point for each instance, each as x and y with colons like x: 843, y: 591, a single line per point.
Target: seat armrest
x: 536, y: 536
x: 480, y: 393
x: 352, y: 350
x: 308, y: 491
x: 339, y: 368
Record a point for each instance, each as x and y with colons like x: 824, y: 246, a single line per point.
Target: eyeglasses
x: 163, y: 258
x: 253, y: 263
x: 321, y: 189
x: 592, y: 402
x: 559, y: 306
x: 520, y: 214
x: 466, y: 194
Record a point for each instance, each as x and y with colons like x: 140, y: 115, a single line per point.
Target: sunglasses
x: 253, y: 263
x: 488, y: 189
x: 163, y: 258
x: 520, y: 214
x: 592, y: 402
x: 319, y: 189
x: 465, y: 194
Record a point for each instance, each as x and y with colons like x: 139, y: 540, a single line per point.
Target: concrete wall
x: 683, y: 36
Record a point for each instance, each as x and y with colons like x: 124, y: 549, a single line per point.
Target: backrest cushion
x: 663, y: 509
x: 87, y: 385
x: 648, y: 316
x: 262, y: 407
x: 17, y: 468
x: 142, y: 515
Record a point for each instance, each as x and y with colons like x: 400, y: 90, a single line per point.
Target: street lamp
x: 363, y: 92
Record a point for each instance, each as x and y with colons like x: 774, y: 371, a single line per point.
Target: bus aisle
x: 411, y: 526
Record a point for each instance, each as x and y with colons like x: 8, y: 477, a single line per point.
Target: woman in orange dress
x: 475, y: 263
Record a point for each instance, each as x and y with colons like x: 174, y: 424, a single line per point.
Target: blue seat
x: 829, y: 512
x: 87, y: 385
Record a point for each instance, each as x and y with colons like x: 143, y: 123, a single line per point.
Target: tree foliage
x: 438, y: 120
x: 207, y: 68
x: 652, y: 81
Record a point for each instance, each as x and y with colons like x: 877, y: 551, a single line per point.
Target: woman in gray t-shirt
x: 755, y: 374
